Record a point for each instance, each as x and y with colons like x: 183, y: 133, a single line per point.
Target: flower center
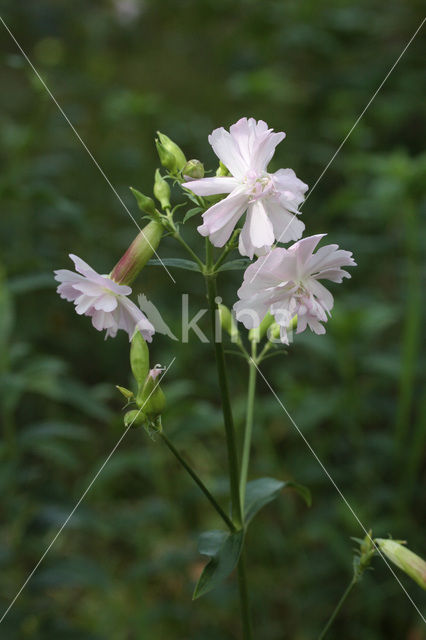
x: 259, y: 185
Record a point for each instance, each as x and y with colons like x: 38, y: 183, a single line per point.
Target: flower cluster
x: 283, y: 282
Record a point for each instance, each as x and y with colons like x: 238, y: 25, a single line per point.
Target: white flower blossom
x: 270, y: 199
x: 286, y: 283
x: 102, y: 299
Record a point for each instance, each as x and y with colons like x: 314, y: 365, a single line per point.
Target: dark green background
x: 125, y: 566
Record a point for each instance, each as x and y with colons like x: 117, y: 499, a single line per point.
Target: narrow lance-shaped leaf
x: 179, y: 263
x: 192, y: 212
x: 263, y: 490
x: 224, y: 549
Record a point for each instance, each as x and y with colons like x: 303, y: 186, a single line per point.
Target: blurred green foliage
x: 125, y: 565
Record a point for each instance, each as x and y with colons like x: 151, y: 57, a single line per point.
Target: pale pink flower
x: 270, y: 199
x: 286, y: 283
x: 102, y: 299
x: 155, y: 372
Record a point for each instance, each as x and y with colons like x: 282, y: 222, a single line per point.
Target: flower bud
x: 145, y: 203
x: 173, y: 149
x: 166, y: 158
x: 412, y: 564
x: 227, y: 321
x: 258, y: 333
x: 125, y: 392
x: 151, y: 397
x: 161, y: 190
x: 139, y: 358
x: 193, y: 169
x: 138, y: 254
x: 134, y: 418
x: 222, y: 170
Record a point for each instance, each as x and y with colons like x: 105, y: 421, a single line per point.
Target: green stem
x: 337, y: 609
x: 199, y: 482
x: 186, y: 246
x: 237, y: 514
x: 223, y: 255
x: 226, y: 407
x: 244, y: 599
x: 176, y: 235
x: 249, y: 423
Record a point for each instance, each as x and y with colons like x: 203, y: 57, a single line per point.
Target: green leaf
x: 234, y: 265
x: 179, y: 263
x: 263, y: 490
x: 224, y: 550
x: 259, y: 493
x: 192, y: 212
x: 301, y: 490
x: 210, y: 542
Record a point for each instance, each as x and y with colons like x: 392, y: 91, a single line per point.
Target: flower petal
x: 286, y: 225
x: 83, y: 304
x: 220, y: 220
x: 265, y: 149
x: 257, y: 231
x: 82, y: 267
x: 228, y: 152
x: 107, y: 302
x: 211, y: 186
x: 135, y: 320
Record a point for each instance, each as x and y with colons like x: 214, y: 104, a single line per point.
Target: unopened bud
x: 227, y: 321
x: 193, y: 169
x: 412, y: 564
x: 134, y: 418
x: 222, y: 170
x: 173, y: 149
x: 166, y: 158
x: 139, y: 358
x: 256, y: 335
x: 125, y: 392
x: 145, y: 203
x: 138, y: 254
x: 162, y: 190
x: 151, y: 397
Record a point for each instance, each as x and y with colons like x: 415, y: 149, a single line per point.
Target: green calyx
x: 171, y: 152
x: 150, y: 397
x: 256, y: 335
x: 161, y: 190
x: 222, y: 170
x: 134, y: 418
x: 193, y: 169
x: 166, y: 158
x: 145, y: 203
x: 137, y: 255
x: 139, y: 359
x: 227, y: 322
